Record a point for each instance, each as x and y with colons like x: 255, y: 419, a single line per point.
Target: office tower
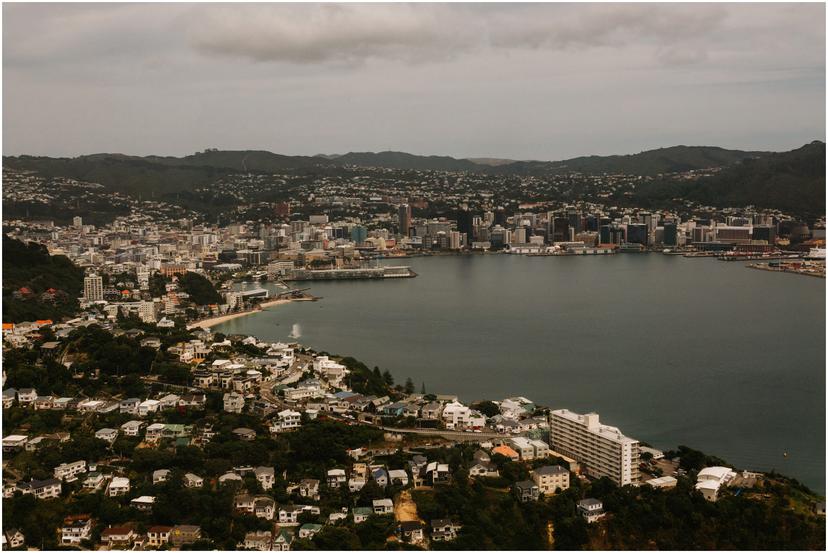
x: 500, y: 216
x: 603, y: 450
x: 560, y: 229
x: 574, y: 219
x: 77, y: 222
x: 637, y: 233
x: 592, y: 223
x: 670, y: 233
x: 465, y: 223
x: 359, y: 234
x: 93, y: 288
x: 404, y: 218
x: 765, y: 232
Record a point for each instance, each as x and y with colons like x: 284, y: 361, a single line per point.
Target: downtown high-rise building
x: 404, y: 217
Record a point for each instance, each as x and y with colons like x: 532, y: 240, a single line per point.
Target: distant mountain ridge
x: 771, y: 179
x: 650, y: 162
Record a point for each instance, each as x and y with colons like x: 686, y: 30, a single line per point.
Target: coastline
x: 212, y: 321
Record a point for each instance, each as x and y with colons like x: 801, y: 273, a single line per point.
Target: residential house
x: 14, y: 538
x: 336, y: 478
x: 143, y: 503
x: 551, y: 479
x: 309, y: 487
x: 361, y: 514
x: 380, y: 476
x: 44, y: 489
x: 169, y: 401
x: 398, y: 477
x: 455, y: 415
x: 147, y: 407
x: 383, y: 506
x: 444, y: 529
x: 26, y: 396
x: 411, y: 531
x: 246, y: 434
x: 14, y: 442
x: 155, y: 432
x: 75, y: 529
x: 309, y: 530
x: 437, y: 473
x: 118, y: 537
x: 108, y: 435
x: 94, y: 481
x: 266, y: 477
x: 260, y: 540
x: 160, y: 475
x: 118, y: 486
x: 484, y: 468
x: 193, y: 480
x: 526, y: 490
x: 591, y: 509
x: 132, y: 428
x: 286, y: 420
x: 184, y: 534
x: 283, y: 540
x: 233, y: 402
x: 432, y: 411
x: 158, y: 535
x: 264, y: 507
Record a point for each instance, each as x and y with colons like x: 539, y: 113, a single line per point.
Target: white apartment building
x: 69, y: 471
x: 603, y: 450
x: 93, y: 288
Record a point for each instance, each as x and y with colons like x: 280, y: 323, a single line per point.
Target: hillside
x: 402, y: 160
x: 791, y: 181
x: 37, y: 285
x: 652, y: 162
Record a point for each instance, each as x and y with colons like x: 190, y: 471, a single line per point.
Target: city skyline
x: 542, y: 82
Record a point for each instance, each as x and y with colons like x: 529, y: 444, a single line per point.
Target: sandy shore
x: 213, y: 321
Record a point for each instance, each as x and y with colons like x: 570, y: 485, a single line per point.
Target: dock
x: 372, y: 273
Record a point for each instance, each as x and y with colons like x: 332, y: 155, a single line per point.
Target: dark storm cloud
x: 504, y: 80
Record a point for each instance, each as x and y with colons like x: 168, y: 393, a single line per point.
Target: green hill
x: 793, y: 182
x: 402, y: 160
x: 651, y: 162
x: 37, y: 285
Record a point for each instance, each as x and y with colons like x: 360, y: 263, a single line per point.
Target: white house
x: 711, y: 479
x: 147, y: 407
x: 132, y: 428
x: 118, y: 486
x: 383, y: 506
x: 455, y: 415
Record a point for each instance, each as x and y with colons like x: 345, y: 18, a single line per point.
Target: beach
x: 212, y: 321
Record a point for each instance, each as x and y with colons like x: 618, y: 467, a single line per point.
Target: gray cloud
x: 418, y: 33
x: 505, y: 80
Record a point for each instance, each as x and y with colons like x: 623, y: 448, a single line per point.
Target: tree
x: 488, y: 408
x: 409, y: 386
x: 200, y: 289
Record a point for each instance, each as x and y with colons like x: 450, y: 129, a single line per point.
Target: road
x: 446, y: 434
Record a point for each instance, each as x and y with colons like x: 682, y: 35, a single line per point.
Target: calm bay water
x: 674, y: 351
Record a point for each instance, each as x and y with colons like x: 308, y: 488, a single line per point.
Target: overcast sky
x: 522, y: 81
